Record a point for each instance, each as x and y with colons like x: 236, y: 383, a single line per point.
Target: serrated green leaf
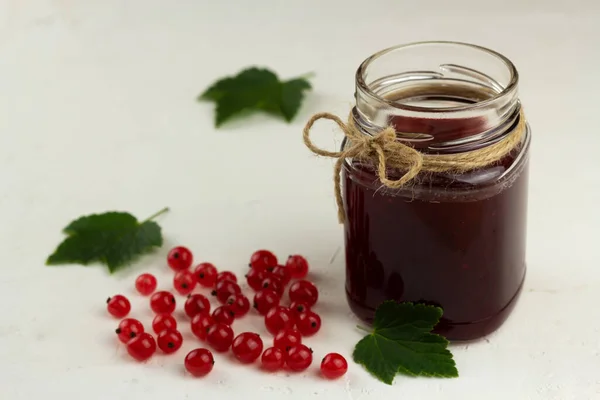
x: 255, y: 89
x: 78, y: 249
x: 131, y: 244
x: 401, y: 342
x: 292, y: 93
x: 216, y: 91
x: 405, y: 319
x: 377, y: 358
x: 113, y: 238
x: 112, y: 220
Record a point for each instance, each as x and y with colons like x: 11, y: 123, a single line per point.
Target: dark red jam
x: 455, y: 241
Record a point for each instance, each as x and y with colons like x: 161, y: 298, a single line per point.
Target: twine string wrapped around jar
x: 384, y: 151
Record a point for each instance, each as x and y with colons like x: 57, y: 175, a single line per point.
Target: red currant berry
x: 200, y: 325
x: 286, y: 338
x: 184, y: 282
x: 145, y: 284
x: 162, y: 302
x: 196, y: 304
x: 299, y: 357
x: 240, y: 305
x: 304, y: 291
x: 298, y: 266
x: 279, y: 318
x: 333, y: 366
x: 265, y: 299
x: 220, y: 336
x: 272, y: 359
x: 263, y: 258
x: 169, y: 341
x: 226, y: 276
x: 273, y: 283
x: 179, y: 258
x: 141, y: 347
x: 128, y: 329
x: 283, y: 274
x: 162, y: 322
x: 308, y: 323
x: 199, y: 362
x: 118, y: 306
x: 255, y: 276
x: 224, y: 314
x: 224, y: 289
x: 247, y: 347
x: 298, y: 307
x: 206, y: 275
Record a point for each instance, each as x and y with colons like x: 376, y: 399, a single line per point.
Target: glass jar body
x: 457, y: 241
x: 462, y: 249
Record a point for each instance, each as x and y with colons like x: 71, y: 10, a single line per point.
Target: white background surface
x: 97, y: 112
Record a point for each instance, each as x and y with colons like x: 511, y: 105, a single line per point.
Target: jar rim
x: 362, y: 69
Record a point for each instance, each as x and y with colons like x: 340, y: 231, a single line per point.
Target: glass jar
x: 452, y: 240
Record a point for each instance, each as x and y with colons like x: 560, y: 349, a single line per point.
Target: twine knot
x: 385, y: 152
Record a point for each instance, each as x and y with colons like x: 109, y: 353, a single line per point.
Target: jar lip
x: 514, y: 77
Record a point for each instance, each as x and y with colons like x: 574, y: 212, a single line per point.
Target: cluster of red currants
x: 269, y: 279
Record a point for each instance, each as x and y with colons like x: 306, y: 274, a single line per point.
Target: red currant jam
x: 452, y: 240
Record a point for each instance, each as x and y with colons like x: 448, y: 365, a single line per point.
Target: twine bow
x: 385, y: 151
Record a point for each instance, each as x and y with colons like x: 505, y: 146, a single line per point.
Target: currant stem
x: 362, y: 328
x: 150, y: 218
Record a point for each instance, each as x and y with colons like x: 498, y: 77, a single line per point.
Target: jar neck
x: 441, y: 97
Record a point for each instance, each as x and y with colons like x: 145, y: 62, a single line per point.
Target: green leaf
x: 292, y: 93
x: 216, y: 91
x: 100, y: 222
x: 401, y: 342
x: 113, y: 238
x: 255, y: 89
